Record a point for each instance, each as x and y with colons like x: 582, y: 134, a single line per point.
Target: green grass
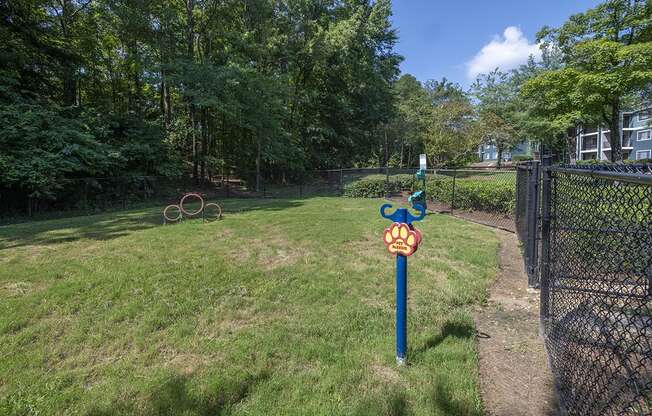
x: 284, y: 307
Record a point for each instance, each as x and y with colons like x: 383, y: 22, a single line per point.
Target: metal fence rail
x: 596, y: 293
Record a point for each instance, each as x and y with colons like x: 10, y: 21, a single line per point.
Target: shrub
x: 474, y: 194
x: 521, y: 158
x: 607, y: 162
x: 376, y: 186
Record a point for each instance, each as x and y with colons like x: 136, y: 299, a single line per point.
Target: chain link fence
x: 90, y: 195
x: 595, y: 269
x: 526, y: 217
x: 486, y: 196
x: 481, y: 195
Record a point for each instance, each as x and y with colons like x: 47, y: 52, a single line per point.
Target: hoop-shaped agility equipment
x: 213, y: 210
x: 214, y: 206
x: 167, y: 217
x: 190, y: 213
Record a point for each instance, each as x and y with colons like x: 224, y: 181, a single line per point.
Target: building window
x: 590, y: 143
x: 644, y: 115
x: 643, y: 154
x: 643, y: 135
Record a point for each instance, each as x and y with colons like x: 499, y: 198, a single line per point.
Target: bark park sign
x: 402, y: 238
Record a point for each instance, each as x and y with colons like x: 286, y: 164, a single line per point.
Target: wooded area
x: 202, y: 88
x: 151, y: 87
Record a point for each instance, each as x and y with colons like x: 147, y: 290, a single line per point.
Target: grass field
x: 283, y: 307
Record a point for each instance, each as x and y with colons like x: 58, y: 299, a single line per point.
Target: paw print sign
x: 402, y: 238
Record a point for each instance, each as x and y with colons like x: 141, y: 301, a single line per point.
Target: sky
x: 460, y: 39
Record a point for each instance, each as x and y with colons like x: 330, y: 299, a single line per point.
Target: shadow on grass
x: 111, y: 225
x: 176, y: 397
x: 459, y: 330
x: 445, y: 402
x: 392, y: 403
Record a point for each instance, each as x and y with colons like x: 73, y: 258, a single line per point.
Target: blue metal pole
x: 401, y: 215
x: 401, y: 308
x: 401, y: 299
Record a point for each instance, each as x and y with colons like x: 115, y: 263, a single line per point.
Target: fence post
x: 532, y: 216
x: 453, y: 195
x: 545, y: 240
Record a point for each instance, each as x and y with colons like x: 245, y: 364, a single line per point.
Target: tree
x: 151, y: 86
x: 407, y: 126
x: 450, y: 135
x: 607, y: 56
x: 497, y: 102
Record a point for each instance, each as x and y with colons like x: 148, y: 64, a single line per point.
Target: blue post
x: 401, y: 215
x: 401, y: 299
x: 401, y: 308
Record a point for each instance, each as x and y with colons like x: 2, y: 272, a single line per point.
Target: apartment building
x: 635, y: 135
x: 489, y: 152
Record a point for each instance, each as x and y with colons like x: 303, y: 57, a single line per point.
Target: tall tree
x: 496, y: 97
x: 607, y: 56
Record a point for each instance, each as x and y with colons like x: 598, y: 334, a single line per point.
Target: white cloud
x: 505, y: 52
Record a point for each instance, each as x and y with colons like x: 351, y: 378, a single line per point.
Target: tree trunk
x: 204, y: 143
x: 193, y: 133
x: 400, y: 163
x: 69, y: 86
x: 258, y: 167
x: 614, y: 132
x: 499, y: 149
x: 386, y: 149
x: 190, y: 36
x: 166, y: 102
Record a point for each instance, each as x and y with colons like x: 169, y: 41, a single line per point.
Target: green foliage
x: 496, y: 94
x: 194, y: 87
x: 521, y: 158
x: 451, y: 136
x: 607, y: 56
x: 474, y: 194
x: 496, y: 193
x: 41, y: 145
x: 377, y: 186
x: 606, y: 162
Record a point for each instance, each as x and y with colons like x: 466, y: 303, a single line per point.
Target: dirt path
x: 515, y: 379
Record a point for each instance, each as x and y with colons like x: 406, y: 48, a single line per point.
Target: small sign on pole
x: 423, y: 162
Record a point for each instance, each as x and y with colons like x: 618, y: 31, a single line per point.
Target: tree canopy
x: 117, y: 87
x: 607, y: 58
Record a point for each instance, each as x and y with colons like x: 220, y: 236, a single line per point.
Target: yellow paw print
x: 401, y: 238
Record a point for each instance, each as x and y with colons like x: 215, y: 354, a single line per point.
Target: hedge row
x: 471, y: 194
x: 474, y: 194
x: 377, y: 186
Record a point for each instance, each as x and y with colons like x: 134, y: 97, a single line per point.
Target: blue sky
x: 458, y: 39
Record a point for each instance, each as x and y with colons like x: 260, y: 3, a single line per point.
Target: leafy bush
x: 474, y: 194
x: 480, y: 194
x: 521, y: 158
x: 607, y: 162
x: 377, y: 186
